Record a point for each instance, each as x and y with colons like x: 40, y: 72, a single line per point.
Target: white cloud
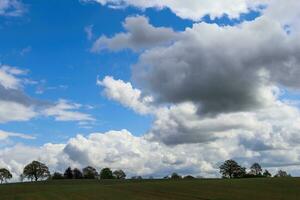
x: 139, y: 156
x: 190, y: 9
x: 5, y: 135
x: 11, y: 8
x: 9, y: 77
x: 89, y: 32
x: 128, y: 96
x: 12, y: 111
x: 67, y: 111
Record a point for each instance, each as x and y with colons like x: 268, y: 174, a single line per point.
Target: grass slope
x: 243, y: 189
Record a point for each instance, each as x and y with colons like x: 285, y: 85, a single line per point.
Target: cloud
x: 190, y: 9
x: 139, y: 156
x: 140, y: 35
x: 5, y: 135
x: 15, y: 105
x: 9, y: 77
x: 12, y: 8
x: 12, y: 111
x: 128, y: 96
x: 89, y: 32
x: 67, y: 111
x: 209, y: 68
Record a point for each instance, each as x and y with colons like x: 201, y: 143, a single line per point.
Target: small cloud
x: 25, y: 51
x: 89, y: 32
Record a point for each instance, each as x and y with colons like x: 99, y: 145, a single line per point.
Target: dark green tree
x: 119, y: 174
x: 57, y: 176
x: 281, y: 174
x: 5, y: 175
x: 231, y: 169
x: 68, y: 173
x: 36, y: 171
x: 256, y: 169
x: 267, y: 174
x: 106, y: 173
x: 175, y: 176
x: 77, y: 174
x: 189, y: 177
x: 89, y: 172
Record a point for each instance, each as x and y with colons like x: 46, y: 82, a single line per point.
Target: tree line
x: 231, y: 169
x: 36, y: 171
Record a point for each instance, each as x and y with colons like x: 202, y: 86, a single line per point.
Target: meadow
x: 200, y: 189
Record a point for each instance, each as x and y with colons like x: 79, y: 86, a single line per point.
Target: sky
x: 150, y: 87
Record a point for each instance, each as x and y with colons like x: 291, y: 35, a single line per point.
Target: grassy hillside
x: 243, y: 189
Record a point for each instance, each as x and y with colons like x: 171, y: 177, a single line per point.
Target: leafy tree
x: 36, y: 170
x: 89, y: 172
x: 57, y: 176
x: 5, y: 175
x: 106, y: 173
x: 189, y: 177
x: 175, y: 176
x: 267, y: 174
x: 282, y: 173
x: 231, y: 169
x: 119, y: 174
x: 77, y: 174
x: 256, y: 169
x: 68, y: 173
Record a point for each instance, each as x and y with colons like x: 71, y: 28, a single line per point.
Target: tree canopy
x: 5, y: 175
x: 36, y: 170
x: 119, y: 174
x: 68, y: 173
x: 106, y: 173
x: 231, y: 169
x: 89, y: 172
x: 256, y: 169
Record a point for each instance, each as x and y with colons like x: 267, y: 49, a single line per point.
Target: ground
x: 201, y: 189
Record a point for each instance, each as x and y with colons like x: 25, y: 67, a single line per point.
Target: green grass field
x: 243, y: 189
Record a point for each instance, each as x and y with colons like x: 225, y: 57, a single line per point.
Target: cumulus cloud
x: 140, y: 35
x: 128, y: 96
x: 11, y: 8
x: 139, y: 156
x: 207, y: 69
x: 190, y: 9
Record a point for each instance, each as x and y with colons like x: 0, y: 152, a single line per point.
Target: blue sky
x: 55, y: 49
x: 199, y: 75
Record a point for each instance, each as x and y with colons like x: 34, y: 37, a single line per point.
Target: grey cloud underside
x: 223, y: 69
x: 18, y: 96
x: 139, y: 35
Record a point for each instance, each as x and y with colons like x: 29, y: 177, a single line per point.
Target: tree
x: 5, y: 175
x: 106, y: 173
x: 189, y: 177
x: 175, y: 176
x: 89, y: 172
x: 282, y: 173
x: 68, y: 173
x: 57, y: 176
x: 256, y: 169
x: 267, y: 173
x: 231, y: 169
x: 119, y: 174
x: 77, y: 174
x: 36, y: 170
